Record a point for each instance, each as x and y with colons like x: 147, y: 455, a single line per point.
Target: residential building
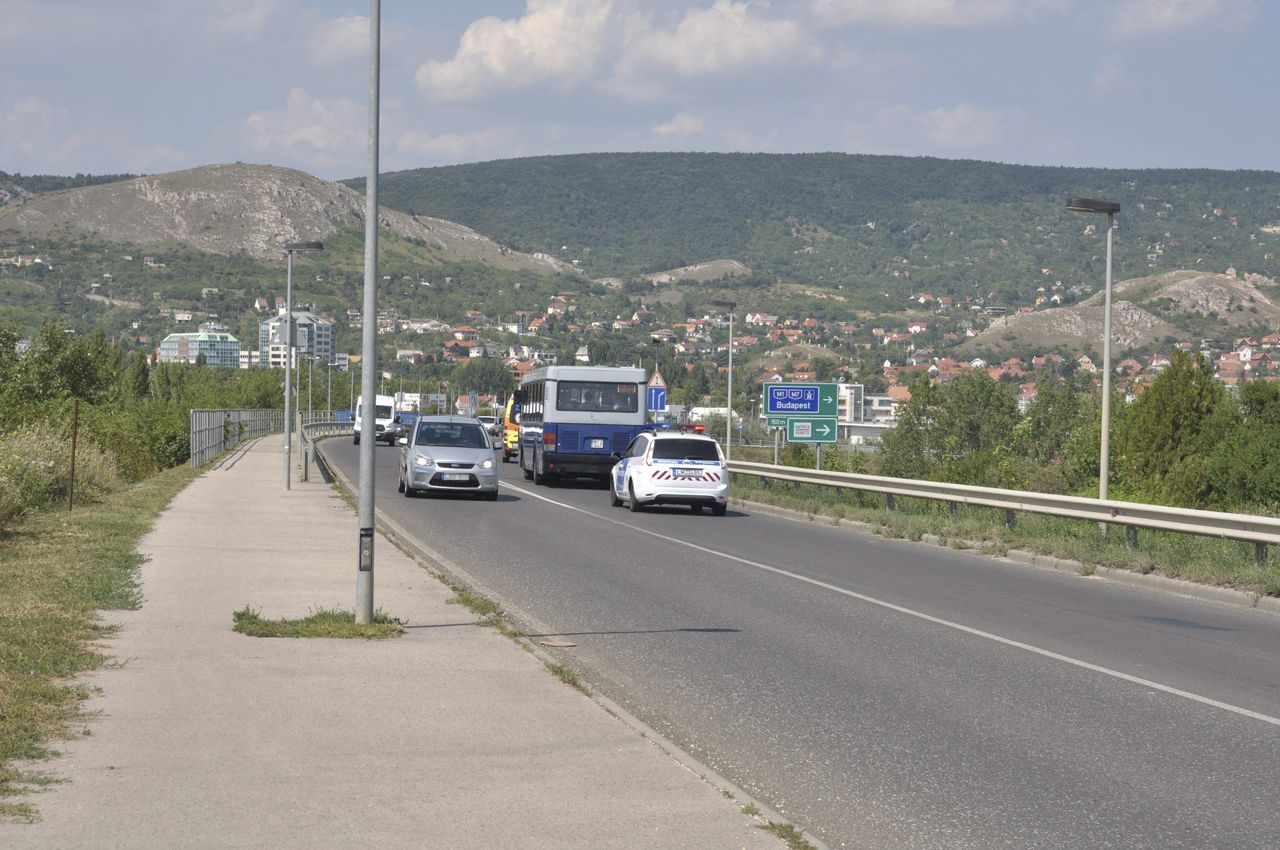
x: 218, y: 349
x: 313, y: 336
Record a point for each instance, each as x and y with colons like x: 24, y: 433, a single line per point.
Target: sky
x: 149, y: 86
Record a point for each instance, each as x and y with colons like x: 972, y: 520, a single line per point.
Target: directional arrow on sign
x: 811, y: 429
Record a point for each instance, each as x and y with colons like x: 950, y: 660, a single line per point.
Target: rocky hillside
x: 1179, y: 304
x: 238, y: 209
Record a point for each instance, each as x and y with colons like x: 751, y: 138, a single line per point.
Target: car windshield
x: 683, y: 449
x: 454, y: 435
x: 382, y: 411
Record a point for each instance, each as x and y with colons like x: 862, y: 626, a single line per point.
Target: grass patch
x: 58, y: 568
x: 569, y: 677
x: 321, y: 623
x: 1205, y: 560
x: 793, y: 837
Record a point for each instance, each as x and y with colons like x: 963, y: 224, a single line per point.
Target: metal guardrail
x: 214, y: 431
x: 314, y: 430
x: 1262, y: 531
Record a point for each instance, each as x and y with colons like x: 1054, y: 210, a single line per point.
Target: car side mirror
x: 403, y: 441
x: 616, y: 455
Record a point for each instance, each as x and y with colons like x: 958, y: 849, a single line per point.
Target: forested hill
x: 861, y: 222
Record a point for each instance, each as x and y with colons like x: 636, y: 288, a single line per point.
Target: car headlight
x: 423, y: 460
x: 487, y: 463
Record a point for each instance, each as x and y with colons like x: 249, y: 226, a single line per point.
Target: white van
x: 384, y: 416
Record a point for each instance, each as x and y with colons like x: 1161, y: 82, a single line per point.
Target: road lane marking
x: 1066, y: 659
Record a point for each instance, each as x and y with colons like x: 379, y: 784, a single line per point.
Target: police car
x: 670, y: 468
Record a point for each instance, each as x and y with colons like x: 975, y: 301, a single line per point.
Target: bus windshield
x: 597, y: 396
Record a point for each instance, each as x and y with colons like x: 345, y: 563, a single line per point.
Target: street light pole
x: 290, y: 248
x: 1087, y: 205
x: 728, y: 407
x: 369, y: 351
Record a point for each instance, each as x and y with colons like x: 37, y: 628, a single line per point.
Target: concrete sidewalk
x: 450, y: 736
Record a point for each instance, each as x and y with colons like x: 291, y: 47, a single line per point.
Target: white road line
x: 1106, y: 671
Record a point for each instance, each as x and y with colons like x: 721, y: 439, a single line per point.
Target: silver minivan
x: 448, y: 454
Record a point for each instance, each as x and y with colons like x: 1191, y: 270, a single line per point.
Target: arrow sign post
x: 811, y: 429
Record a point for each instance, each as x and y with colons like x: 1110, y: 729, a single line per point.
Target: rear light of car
x: 549, y: 439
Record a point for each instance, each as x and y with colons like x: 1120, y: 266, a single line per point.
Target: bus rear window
x: 597, y: 397
x: 685, y: 450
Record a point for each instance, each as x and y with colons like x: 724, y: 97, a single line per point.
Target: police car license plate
x: 687, y: 473
x: 597, y: 443
x: 454, y: 476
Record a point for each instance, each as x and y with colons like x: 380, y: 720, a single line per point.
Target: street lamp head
x: 1089, y: 205
x: 298, y: 247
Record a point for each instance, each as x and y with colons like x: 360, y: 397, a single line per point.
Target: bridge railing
x: 312, y: 431
x: 1262, y: 531
x: 214, y: 431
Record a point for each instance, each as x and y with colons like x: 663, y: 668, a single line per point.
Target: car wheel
x: 400, y: 485
x: 718, y: 509
x: 491, y: 497
x: 614, y: 501
x: 633, y: 504
x: 356, y: 439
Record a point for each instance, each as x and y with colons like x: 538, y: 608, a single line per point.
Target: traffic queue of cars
x: 455, y: 454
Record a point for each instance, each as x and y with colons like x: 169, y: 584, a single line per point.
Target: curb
x: 1180, y: 587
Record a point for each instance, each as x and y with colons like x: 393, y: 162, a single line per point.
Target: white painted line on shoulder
x: 1066, y: 659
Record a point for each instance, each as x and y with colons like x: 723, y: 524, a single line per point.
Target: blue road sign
x: 657, y: 398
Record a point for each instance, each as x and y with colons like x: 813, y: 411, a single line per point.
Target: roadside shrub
x: 35, y: 468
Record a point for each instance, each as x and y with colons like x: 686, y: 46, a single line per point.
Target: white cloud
x: 683, y: 124
x: 1136, y: 18
x: 318, y: 132
x: 30, y: 125
x: 967, y: 126
x: 932, y: 13
x: 561, y: 42
x: 248, y: 19
x: 340, y: 40
x: 37, y: 136
x: 455, y: 147
x: 1111, y: 78
x: 723, y: 38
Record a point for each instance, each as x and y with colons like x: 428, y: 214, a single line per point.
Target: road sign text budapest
x: 800, y: 399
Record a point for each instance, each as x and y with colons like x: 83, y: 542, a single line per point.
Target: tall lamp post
x: 291, y: 248
x: 1088, y: 205
x: 728, y: 408
x: 368, y: 335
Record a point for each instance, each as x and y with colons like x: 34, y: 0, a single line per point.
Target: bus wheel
x: 528, y: 474
x: 537, y: 479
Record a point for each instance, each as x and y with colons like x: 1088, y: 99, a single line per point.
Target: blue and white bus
x: 572, y: 419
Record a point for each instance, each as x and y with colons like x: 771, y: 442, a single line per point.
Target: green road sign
x: 812, y: 429
x: 776, y: 421
x: 801, y: 399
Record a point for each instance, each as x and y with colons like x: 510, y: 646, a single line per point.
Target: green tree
x: 1163, y: 442
x: 1244, y: 469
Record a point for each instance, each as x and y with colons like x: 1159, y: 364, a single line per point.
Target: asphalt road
x: 888, y: 694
